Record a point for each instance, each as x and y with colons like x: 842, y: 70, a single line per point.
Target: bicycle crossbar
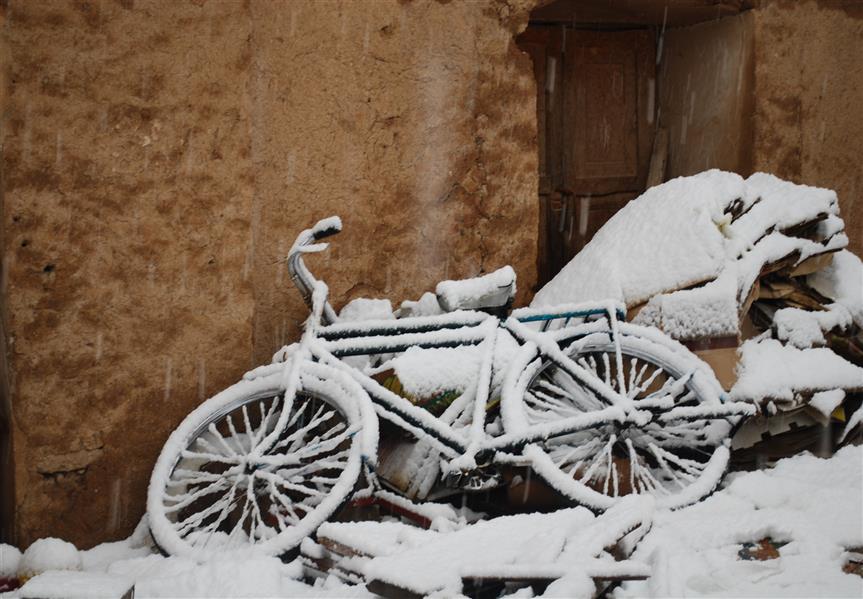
x: 418, y: 324
x: 567, y: 315
x: 383, y: 344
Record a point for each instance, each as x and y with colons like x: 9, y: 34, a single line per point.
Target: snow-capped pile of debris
x: 808, y: 508
x: 568, y: 550
x: 752, y: 275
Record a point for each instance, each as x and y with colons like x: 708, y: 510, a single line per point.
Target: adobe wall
x: 777, y: 89
x: 415, y: 122
x: 160, y: 157
x: 809, y: 99
x: 126, y: 217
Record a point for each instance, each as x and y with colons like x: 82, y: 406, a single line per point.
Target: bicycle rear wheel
x: 678, y: 462
x: 214, y: 492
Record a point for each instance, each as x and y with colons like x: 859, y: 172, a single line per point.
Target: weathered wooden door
x: 595, y: 113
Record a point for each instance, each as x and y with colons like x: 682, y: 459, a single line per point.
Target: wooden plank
x: 658, y: 159
x: 638, y: 12
x: 648, y: 101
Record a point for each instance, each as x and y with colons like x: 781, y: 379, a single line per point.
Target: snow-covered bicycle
x: 596, y: 407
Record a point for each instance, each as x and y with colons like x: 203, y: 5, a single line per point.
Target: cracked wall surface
x: 159, y: 159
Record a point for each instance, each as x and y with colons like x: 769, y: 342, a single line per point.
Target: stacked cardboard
x: 780, y: 324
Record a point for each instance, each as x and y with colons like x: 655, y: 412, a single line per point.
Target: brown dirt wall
x: 126, y: 217
x: 415, y: 123
x: 809, y: 99
x: 158, y: 160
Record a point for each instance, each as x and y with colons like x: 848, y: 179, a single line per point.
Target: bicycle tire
x: 676, y: 463
x: 209, y: 497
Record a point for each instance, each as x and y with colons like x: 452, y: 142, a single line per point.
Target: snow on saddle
x: 492, y: 293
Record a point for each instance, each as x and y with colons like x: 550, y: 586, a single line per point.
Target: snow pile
x: 781, y: 206
x: 49, y: 554
x: 669, y: 238
x: 842, y: 280
x: 10, y: 560
x: 815, y: 505
x: 771, y: 370
x: 566, y: 546
x: 61, y: 584
x: 693, y: 248
x: 806, y: 328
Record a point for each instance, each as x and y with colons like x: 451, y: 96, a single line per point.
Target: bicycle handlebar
x: 301, y: 276
x: 326, y: 227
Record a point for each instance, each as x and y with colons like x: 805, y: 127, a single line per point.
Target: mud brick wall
x: 777, y: 89
x: 808, y: 121
x: 158, y: 160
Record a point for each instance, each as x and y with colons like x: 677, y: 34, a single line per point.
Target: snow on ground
x: 816, y: 505
x: 813, y: 504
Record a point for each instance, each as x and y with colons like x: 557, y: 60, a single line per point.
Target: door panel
x: 602, y: 102
x: 595, y: 117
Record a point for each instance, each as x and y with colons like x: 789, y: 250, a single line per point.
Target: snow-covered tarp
x: 669, y: 238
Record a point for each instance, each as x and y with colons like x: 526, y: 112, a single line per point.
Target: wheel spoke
x: 184, y: 499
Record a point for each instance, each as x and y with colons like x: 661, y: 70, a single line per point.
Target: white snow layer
x: 424, y: 372
x: 60, y: 584
x: 540, y: 545
x: 668, y: 238
x: 50, y: 554
x: 805, y: 328
x: 783, y: 204
x: 816, y: 505
x: 491, y: 290
x: 827, y: 401
x: 678, y: 235
x: 842, y: 281
x: 10, y: 560
x: 813, y: 504
x: 706, y: 311
x: 363, y: 308
x: 768, y: 369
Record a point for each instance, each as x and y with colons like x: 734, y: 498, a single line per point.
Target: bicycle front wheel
x: 214, y: 492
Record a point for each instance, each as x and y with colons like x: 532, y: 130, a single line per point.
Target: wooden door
x: 595, y: 114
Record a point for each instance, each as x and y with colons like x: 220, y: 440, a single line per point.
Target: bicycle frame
x: 328, y: 340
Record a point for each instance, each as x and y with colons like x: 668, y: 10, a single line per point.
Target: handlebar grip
x: 326, y: 227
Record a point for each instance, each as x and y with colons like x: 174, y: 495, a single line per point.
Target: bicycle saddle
x: 493, y: 292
